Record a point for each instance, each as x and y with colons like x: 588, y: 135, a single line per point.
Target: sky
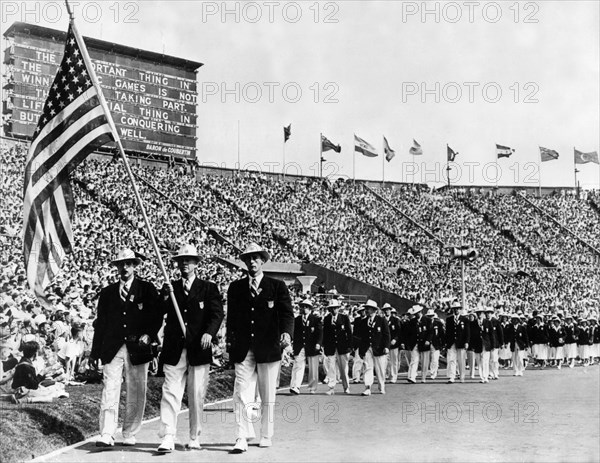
x: 466, y: 74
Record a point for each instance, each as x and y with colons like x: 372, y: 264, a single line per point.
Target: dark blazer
x: 458, y: 331
x: 584, y: 336
x: 538, y: 334
x: 438, y: 334
x: 508, y: 331
x: 521, y: 339
x: 308, y: 335
x: 571, y: 334
x: 257, y: 323
x: 424, y: 334
x: 395, y: 329
x: 377, y: 336
x: 119, y: 322
x: 202, y: 312
x: 409, y: 335
x: 486, y: 335
x: 337, y: 337
x: 556, y: 336
x: 476, y: 342
x: 497, y: 334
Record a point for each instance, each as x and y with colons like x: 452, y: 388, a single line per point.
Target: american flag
x: 71, y: 126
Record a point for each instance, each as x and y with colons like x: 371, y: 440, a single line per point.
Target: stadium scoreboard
x: 152, y: 97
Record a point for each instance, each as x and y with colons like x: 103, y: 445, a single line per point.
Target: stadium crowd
x: 526, y: 261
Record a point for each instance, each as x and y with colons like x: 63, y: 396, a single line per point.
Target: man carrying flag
x: 364, y: 147
x: 327, y: 145
x: 548, y: 154
x: 504, y: 151
x: 389, y: 152
x: 584, y: 158
x: 451, y: 154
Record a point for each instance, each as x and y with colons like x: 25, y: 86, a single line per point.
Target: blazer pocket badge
x: 379, y: 328
x: 312, y: 329
x: 141, y: 306
x: 271, y: 304
x: 131, y: 298
x: 201, y: 305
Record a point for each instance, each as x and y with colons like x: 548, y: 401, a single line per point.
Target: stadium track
x: 546, y: 415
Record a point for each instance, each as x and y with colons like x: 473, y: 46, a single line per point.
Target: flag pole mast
x: 238, y: 147
x: 540, y: 180
x: 94, y: 79
x: 283, y: 168
x: 354, y: 163
x: 320, y: 154
x: 383, y: 165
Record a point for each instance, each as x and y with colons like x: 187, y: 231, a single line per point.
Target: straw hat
x: 187, y: 251
x: 254, y: 248
x: 126, y: 255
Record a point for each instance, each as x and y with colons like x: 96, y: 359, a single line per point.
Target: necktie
x: 186, y: 287
x: 371, y: 322
x: 253, y: 287
x: 123, y: 292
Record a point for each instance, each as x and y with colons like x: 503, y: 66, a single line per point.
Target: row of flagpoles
x: 367, y: 149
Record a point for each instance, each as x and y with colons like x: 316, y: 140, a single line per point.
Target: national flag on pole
x: 584, y: 158
x: 389, y: 152
x: 504, y: 151
x: 451, y: 154
x: 364, y: 147
x: 416, y: 149
x: 71, y: 126
x: 548, y: 154
x: 287, y: 133
x: 326, y: 145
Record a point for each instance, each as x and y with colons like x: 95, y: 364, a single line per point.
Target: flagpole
x: 111, y: 123
x: 238, y: 147
x: 383, y: 165
x: 540, y: 180
x: 320, y: 154
x: 283, y: 168
x: 354, y: 163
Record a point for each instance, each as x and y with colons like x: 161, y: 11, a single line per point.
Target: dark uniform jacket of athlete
x: 123, y: 322
x: 202, y: 312
x: 338, y: 335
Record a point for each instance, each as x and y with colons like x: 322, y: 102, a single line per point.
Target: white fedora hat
x: 187, y: 250
x: 254, y: 248
x: 307, y: 302
x: 415, y: 309
x: 430, y: 313
x: 387, y: 306
x: 125, y: 255
x: 371, y: 303
x: 334, y: 303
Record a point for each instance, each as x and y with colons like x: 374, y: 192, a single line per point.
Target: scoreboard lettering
x: 152, y: 97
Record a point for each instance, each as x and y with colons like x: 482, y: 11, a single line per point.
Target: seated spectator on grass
x: 28, y: 385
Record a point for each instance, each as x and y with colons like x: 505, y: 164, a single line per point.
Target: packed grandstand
x: 535, y: 253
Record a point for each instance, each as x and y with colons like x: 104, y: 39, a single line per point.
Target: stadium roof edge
x: 19, y: 27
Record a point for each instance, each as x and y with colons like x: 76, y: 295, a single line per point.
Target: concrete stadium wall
x: 348, y: 285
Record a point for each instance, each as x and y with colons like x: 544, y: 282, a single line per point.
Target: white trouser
x: 136, y: 381
x: 332, y: 364
x: 300, y: 362
x: 247, y: 374
x: 394, y: 360
x: 357, y: 366
x: 424, y: 357
x: 494, y: 363
x: 172, y: 393
x: 376, y: 363
x: 435, y: 362
x: 414, y: 364
x: 484, y: 364
x: 451, y: 357
x: 517, y: 359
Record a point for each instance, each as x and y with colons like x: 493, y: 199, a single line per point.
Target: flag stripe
x: 68, y: 130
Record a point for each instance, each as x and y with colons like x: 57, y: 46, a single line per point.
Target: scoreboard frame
x: 152, y: 97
